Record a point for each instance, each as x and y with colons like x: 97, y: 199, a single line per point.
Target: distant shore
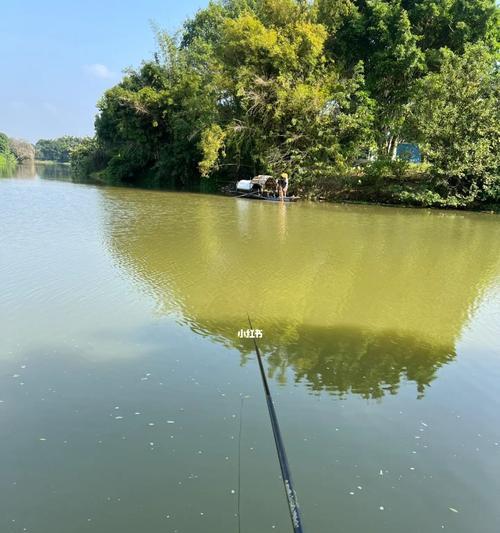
x: 50, y: 162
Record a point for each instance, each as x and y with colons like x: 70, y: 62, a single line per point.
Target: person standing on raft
x: 283, y: 185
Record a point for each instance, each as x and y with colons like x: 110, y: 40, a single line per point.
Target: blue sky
x: 58, y: 56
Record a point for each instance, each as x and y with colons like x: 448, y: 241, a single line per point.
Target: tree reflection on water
x: 352, y: 299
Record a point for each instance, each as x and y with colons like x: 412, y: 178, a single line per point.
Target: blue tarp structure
x: 410, y: 152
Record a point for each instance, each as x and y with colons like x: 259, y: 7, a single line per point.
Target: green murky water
x: 121, y: 372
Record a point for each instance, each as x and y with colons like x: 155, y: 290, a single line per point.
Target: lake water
x: 123, y: 381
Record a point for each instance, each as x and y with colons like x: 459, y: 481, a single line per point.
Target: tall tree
x: 457, y: 117
x: 399, y: 41
x: 290, y: 109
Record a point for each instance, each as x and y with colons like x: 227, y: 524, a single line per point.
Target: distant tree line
x: 325, y: 90
x: 57, y: 150
x: 13, y: 151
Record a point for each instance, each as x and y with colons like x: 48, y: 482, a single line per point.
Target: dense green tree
x: 394, y: 61
x: 457, y: 117
x: 150, y: 123
x: 289, y: 109
x: 7, y: 158
x: 4, y: 144
x: 399, y: 41
x: 205, y: 25
x: 452, y: 24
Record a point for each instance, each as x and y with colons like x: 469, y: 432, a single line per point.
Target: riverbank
x: 389, y: 193
x: 417, y: 193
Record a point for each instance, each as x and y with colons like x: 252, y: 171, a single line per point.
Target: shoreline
x: 95, y: 178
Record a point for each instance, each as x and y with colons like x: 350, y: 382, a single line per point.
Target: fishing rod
x: 291, y: 495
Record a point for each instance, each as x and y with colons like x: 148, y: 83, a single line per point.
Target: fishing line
x: 239, y: 465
